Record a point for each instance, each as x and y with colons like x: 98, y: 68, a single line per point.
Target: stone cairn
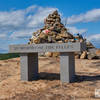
x: 55, y: 32
x: 52, y: 32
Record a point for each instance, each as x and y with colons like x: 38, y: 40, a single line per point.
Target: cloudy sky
x: 20, y: 18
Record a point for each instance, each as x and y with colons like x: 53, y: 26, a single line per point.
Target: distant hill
x: 8, y: 56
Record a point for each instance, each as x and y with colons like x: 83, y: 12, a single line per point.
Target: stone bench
x: 29, y: 58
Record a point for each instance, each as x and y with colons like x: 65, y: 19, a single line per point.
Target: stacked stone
x: 90, y: 53
x: 55, y: 32
x: 52, y: 32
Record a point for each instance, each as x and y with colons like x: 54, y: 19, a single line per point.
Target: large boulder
x: 91, y: 56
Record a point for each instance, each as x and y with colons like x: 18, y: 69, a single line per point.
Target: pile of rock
x: 90, y: 53
x: 55, y: 32
x: 52, y: 32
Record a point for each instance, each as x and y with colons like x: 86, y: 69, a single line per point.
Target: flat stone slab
x: 47, y: 47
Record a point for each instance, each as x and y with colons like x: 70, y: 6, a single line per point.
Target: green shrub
x: 8, y: 56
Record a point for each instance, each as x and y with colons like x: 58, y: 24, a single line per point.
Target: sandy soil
x: 49, y: 87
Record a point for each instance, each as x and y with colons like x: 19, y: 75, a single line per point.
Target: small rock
x: 66, y: 40
x: 89, y: 45
x: 77, y: 56
x: 58, y: 37
x: 48, y: 54
x: 56, y: 54
x: 59, y: 41
x: 36, y: 40
x: 98, y: 52
x: 83, y: 55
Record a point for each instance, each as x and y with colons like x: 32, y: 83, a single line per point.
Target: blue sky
x: 20, y: 18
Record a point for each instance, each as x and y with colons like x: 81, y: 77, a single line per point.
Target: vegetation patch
x: 8, y: 56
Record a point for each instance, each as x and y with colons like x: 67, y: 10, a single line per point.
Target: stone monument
x: 53, y: 37
x: 29, y: 58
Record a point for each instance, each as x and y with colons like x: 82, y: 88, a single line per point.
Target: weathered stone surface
x: 98, y: 52
x: 83, y: 55
x: 56, y: 54
x: 67, y: 66
x: 92, y: 50
x: 59, y: 41
x: 47, y: 47
x: 36, y: 40
x: 89, y: 45
x: 91, y: 56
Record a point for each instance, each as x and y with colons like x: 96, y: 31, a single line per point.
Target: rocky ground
x: 49, y: 87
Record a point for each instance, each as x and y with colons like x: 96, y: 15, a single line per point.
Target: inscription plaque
x: 51, y: 47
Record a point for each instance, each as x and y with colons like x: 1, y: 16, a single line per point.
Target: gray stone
x: 92, y: 50
x: 67, y: 67
x: 47, y: 47
x: 91, y: 56
x: 29, y: 66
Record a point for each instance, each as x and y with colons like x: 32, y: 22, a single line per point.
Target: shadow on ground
x: 49, y: 76
x: 78, y: 78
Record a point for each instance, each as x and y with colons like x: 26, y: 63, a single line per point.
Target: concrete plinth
x: 67, y: 67
x: 29, y: 66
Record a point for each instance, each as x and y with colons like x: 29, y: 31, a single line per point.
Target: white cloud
x: 95, y: 37
x: 12, y: 19
x: 90, y: 16
x: 15, y: 18
x: 21, y: 34
x: 74, y: 30
x: 3, y: 35
x: 22, y: 23
x: 39, y: 17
